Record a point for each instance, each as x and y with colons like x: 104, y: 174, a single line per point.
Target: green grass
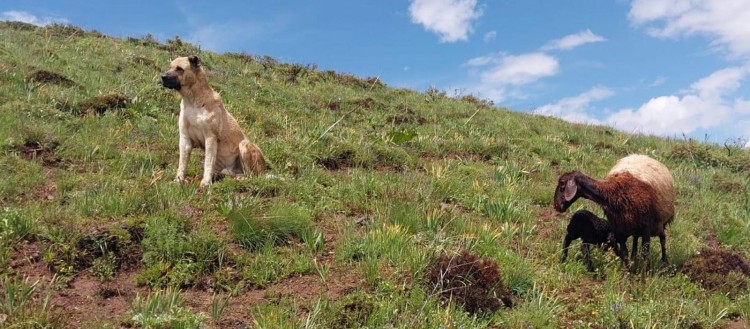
x: 163, y: 309
x: 369, y: 184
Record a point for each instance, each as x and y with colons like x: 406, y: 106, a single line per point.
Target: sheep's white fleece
x: 654, y: 173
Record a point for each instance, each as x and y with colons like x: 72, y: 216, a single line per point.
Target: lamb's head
x: 611, y: 242
x: 567, y: 191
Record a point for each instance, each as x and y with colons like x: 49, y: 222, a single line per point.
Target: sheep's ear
x: 570, y: 190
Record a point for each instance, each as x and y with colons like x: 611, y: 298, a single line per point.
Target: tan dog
x: 205, y: 123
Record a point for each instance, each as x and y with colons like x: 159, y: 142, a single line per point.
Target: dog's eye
x: 179, y: 69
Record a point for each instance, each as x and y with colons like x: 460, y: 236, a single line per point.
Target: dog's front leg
x: 185, y: 148
x: 208, y: 167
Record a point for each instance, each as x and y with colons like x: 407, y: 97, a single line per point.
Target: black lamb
x: 592, y: 230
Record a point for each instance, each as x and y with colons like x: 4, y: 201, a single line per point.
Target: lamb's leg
x: 587, y: 256
x: 634, y: 252
x: 663, y: 242
x: 566, y: 244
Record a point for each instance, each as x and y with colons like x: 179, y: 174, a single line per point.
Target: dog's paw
x: 205, y: 183
x: 179, y: 179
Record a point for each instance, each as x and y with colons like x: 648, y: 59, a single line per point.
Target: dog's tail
x: 252, y: 158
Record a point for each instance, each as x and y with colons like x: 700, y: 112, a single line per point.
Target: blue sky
x: 664, y: 67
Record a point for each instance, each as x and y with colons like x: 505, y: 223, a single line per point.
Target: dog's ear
x: 195, y: 62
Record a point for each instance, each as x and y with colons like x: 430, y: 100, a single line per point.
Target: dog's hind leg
x: 251, y: 158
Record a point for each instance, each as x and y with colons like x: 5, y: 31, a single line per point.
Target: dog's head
x: 183, y: 72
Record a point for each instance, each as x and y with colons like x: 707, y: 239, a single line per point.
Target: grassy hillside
x: 370, y: 186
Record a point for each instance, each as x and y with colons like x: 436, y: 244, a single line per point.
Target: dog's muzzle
x: 170, y: 81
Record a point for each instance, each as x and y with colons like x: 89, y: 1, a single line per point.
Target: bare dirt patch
x: 548, y: 224
x: 86, y: 300
x: 89, y: 301
x: 303, y: 290
x: 586, y: 290
x: 737, y: 323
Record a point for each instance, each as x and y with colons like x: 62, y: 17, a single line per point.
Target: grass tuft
x: 275, y: 223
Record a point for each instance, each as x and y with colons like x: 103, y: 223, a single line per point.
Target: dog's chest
x: 196, y: 123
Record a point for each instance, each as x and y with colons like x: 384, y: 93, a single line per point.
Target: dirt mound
x: 105, y: 251
x: 406, y: 116
x: 102, y: 103
x: 147, y: 62
x: 469, y: 281
x: 47, y: 77
x: 40, y: 147
x: 717, y: 269
x: 341, y: 160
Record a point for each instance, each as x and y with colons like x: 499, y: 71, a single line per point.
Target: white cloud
x: 574, y: 108
x: 706, y: 105
x: 747, y: 145
x: 723, y: 20
x: 22, y: 16
x: 515, y: 69
x: 573, y: 40
x: 658, y: 82
x: 450, y: 19
x: 711, y: 102
x: 490, y: 36
x: 720, y: 82
x: 502, y: 76
x: 670, y: 115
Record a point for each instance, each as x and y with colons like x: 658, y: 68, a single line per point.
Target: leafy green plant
x: 14, y: 226
x: 163, y: 309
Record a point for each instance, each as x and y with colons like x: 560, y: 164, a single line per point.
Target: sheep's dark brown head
x: 567, y: 191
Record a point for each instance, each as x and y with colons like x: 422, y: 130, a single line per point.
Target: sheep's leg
x: 587, y: 256
x: 566, y: 244
x: 622, y: 251
x: 663, y: 242
x: 646, y: 250
x: 634, y: 252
